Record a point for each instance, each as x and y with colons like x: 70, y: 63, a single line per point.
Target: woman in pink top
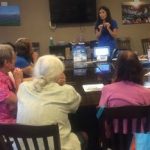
x: 127, y: 88
x: 8, y: 97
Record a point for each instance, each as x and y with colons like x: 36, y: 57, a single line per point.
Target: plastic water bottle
x: 148, y: 53
x: 51, y: 42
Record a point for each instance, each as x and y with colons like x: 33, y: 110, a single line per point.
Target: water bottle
x: 51, y: 42
x: 148, y: 53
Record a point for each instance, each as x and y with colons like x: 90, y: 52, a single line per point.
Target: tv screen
x: 72, y: 11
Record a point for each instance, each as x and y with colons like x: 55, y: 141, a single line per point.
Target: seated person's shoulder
x: 114, y: 24
x: 21, y: 62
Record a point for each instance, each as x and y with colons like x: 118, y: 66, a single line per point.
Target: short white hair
x: 47, y: 69
x: 6, y: 53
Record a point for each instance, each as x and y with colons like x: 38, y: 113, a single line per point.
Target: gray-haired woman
x: 47, y: 100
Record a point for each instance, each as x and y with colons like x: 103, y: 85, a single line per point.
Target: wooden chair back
x: 145, y: 44
x: 138, y: 115
x: 13, y: 133
x: 123, y: 43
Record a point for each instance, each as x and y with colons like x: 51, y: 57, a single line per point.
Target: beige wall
x: 35, y: 25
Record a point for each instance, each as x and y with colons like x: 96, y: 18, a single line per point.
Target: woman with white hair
x: 48, y: 100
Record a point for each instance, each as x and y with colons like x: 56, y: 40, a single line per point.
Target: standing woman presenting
x: 106, y: 29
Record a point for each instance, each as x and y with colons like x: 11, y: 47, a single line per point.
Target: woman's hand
x: 113, y: 32
x: 100, y: 27
x: 18, y: 76
x: 61, y: 79
x: 107, y: 25
x: 98, y: 30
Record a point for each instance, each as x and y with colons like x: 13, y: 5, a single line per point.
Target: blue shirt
x: 21, y: 62
x: 106, y: 39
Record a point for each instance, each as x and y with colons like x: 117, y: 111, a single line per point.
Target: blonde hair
x: 47, y: 69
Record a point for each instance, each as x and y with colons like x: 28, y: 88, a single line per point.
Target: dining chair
x: 113, y: 121
x: 123, y: 43
x: 145, y: 44
x: 18, y: 135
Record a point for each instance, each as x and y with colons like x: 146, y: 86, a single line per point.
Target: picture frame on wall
x: 135, y: 12
x: 10, y: 15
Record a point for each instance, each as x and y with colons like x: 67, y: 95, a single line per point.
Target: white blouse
x: 51, y: 105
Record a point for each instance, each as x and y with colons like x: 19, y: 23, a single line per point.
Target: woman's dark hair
x: 23, y: 49
x: 128, y: 68
x: 108, y: 18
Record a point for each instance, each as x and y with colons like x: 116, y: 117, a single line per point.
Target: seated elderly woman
x: 127, y: 88
x: 48, y: 100
x: 8, y: 88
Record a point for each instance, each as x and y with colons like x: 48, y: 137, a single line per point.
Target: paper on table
x: 143, y: 59
x: 114, y: 59
x: 92, y: 87
x: 147, y: 74
x: 147, y: 85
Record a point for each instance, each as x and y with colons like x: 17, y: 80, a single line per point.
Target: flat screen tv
x: 72, y: 11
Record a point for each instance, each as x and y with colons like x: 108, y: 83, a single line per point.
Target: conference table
x: 93, y: 73
x: 89, y: 73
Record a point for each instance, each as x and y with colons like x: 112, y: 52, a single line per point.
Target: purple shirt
x: 6, y: 88
x: 124, y: 93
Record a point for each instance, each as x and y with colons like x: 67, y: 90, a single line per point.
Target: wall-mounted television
x: 72, y: 11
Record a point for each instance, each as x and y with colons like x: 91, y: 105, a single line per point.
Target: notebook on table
x: 92, y: 87
x: 147, y: 84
